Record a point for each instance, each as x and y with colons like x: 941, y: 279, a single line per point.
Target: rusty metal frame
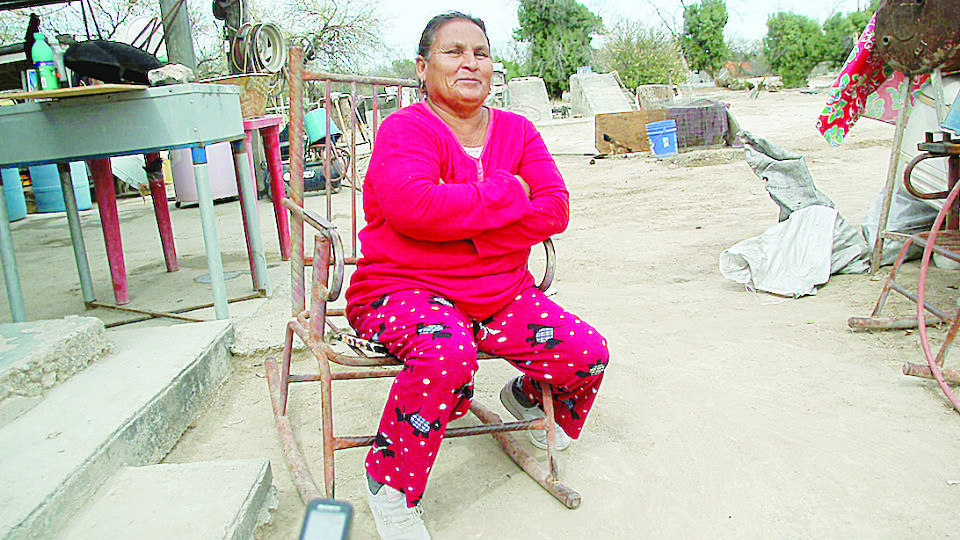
x: 310, y: 322
x: 947, y: 246
x: 943, y: 238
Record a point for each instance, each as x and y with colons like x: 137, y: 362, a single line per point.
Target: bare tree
x: 335, y: 34
x: 669, y: 21
x: 93, y: 20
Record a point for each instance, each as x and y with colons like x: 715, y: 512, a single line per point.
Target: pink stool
x: 269, y: 127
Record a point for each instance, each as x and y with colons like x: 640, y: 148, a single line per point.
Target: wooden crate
x: 625, y: 131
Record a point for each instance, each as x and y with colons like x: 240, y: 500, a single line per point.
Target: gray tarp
x: 807, y: 246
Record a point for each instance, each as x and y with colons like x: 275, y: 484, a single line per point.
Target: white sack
x: 790, y: 258
x: 908, y: 215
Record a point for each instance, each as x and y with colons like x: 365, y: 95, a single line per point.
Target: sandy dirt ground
x: 724, y: 413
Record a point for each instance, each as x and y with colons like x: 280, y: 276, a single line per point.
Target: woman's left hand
x: 523, y: 184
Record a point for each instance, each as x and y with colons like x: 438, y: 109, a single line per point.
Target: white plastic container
x: 223, y: 177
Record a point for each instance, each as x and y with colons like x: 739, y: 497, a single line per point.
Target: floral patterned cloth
x: 865, y: 87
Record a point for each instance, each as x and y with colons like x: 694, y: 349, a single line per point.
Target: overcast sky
x: 405, y: 19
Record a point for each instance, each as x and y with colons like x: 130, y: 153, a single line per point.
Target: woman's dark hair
x: 430, y: 31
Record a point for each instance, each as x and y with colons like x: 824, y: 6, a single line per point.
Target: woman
x: 455, y: 196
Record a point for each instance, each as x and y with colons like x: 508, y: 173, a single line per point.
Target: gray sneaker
x: 395, y: 521
x: 510, y: 396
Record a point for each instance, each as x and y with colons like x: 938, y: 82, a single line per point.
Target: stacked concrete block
x: 528, y: 96
x: 598, y: 93
x: 652, y: 96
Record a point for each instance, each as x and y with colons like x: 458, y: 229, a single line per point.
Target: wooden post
x: 888, y: 188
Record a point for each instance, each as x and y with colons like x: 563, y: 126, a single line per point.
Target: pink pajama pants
x: 438, y: 345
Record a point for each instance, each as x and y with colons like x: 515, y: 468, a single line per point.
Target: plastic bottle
x: 62, y: 75
x: 43, y: 61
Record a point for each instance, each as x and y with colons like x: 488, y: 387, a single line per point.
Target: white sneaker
x: 538, y: 437
x: 395, y: 521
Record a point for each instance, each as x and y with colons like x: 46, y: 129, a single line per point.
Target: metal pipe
x: 339, y: 77
x: 302, y: 479
x: 11, y: 276
x: 208, y: 223
x: 76, y: 233
x: 251, y: 217
x: 110, y: 223
x: 921, y: 291
x: 924, y: 371
x: 295, y: 82
x: 866, y: 324
x: 354, y: 181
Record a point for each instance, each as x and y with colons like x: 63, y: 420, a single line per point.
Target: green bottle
x: 43, y: 61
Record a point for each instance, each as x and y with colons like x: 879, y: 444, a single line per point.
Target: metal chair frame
x: 366, y: 359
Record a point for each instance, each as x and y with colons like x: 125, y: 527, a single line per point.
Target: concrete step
x: 36, y: 356
x: 192, y: 501
x: 128, y: 408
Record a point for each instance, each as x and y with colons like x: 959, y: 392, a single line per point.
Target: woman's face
x: 457, y: 74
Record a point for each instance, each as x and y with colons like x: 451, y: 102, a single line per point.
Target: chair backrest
x: 356, y: 115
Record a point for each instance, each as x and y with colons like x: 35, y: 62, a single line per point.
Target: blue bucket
x: 46, y: 187
x: 663, y: 137
x: 315, y: 124
x: 13, y: 192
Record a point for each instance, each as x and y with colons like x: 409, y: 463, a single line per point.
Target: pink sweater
x: 434, y: 222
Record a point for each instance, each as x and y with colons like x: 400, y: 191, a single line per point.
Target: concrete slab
x: 597, y: 93
x: 130, y: 408
x: 194, y: 501
x: 528, y: 97
x: 36, y: 356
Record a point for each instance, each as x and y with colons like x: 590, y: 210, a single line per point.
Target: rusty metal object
x: 295, y: 83
x: 952, y: 376
x: 919, y: 36
x: 302, y: 478
x: 546, y: 479
x: 945, y: 243
x: 935, y: 363
x: 866, y: 324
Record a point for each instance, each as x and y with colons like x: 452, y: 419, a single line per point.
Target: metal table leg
x: 76, y: 233
x: 251, y: 216
x: 110, y: 222
x: 271, y: 146
x: 11, y: 276
x: 209, y: 225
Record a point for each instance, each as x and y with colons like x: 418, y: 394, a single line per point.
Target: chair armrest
x: 332, y: 292
x: 551, y: 267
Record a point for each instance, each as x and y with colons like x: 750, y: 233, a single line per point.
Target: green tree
x: 559, y: 32
x: 794, y: 46
x: 702, y: 39
x: 513, y: 69
x: 841, y: 32
x: 515, y: 57
x: 641, y: 55
x: 839, y: 37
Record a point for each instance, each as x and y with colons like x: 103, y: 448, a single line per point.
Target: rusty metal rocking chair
x: 315, y: 323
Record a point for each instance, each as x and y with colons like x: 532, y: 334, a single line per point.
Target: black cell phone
x: 326, y: 519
